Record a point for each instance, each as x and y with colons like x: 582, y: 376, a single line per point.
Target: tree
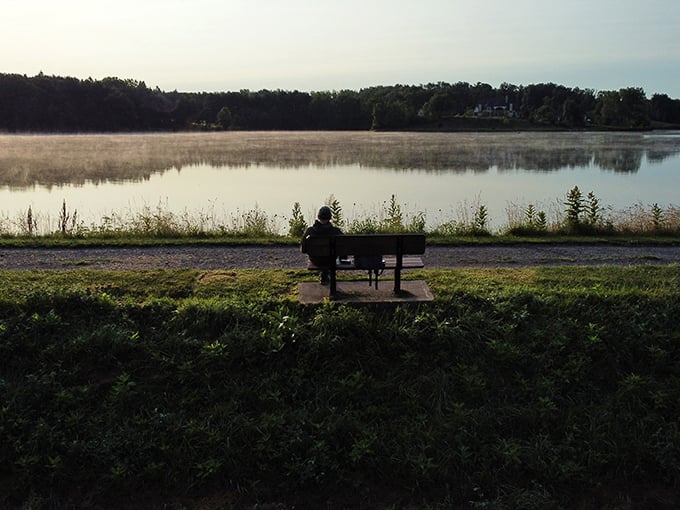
x: 661, y: 108
x: 575, y: 208
x: 571, y: 114
x: 626, y: 108
x: 635, y: 108
x: 224, y: 118
x: 544, y: 114
x: 608, y: 108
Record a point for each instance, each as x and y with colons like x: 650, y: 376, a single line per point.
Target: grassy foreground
x: 517, y: 388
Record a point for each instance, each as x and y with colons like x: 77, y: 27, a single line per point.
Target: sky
x: 324, y: 45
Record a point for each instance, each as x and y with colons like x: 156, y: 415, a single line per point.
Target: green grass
x: 516, y: 388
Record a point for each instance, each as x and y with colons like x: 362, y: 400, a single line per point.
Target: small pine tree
x: 593, y: 210
x: 530, y: 215
x: 574, y: 209
x: 297, y: 224
x: 541, y: 221
x: 480, y: 221
x: 657, y: 217
x: 336, y: 211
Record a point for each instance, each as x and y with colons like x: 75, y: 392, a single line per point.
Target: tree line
x: 64, y: 104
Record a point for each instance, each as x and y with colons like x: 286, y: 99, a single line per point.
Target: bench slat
x: 367, y: 244
x: 408, y: 262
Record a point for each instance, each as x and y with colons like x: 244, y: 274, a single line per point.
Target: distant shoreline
x: 446, y: 125
x: 492, y: 124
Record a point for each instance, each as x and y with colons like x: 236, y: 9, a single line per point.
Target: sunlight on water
x: 362, y: 182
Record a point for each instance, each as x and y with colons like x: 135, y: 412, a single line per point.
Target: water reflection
x: 55, y: 160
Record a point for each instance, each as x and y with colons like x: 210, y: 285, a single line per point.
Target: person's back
x: 322, y: 227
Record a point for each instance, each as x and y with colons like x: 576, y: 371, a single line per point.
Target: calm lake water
x: 222, y: 175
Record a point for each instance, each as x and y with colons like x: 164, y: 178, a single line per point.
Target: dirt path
x: 289, y: 257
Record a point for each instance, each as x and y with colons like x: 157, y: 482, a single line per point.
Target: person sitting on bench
x: 322, y: 227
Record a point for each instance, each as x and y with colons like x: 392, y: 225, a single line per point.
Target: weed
x: 575, y: 207
x: 336, y: 211
x: 417, y: 224
x: 582, y: 216
x: 254, y: 223
x: 297, y: 224
x: 31, y: 222
x: 480, y: 222
x: 394, y: 218
x: 592, y: 210
x: 658, y: 218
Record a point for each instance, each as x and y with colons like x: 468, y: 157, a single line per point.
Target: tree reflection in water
x: 52, y: 160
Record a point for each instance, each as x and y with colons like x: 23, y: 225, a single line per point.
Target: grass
x: 161, y: 227
x: 517, y: 388
x: 582, y: 220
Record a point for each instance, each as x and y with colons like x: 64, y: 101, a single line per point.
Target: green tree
x: 297, y: 224
x: 336, y: 211
x: 664, y: 109
x: 571, y: 114
x: 544, y: 114
x: 575, y: 207
x: 634, y: 107
x: 625, y: 108
x: 608, y: 108
x: 224, y: 118
x: 593, y: 210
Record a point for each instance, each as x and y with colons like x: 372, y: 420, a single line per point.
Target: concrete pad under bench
x: 412, y: 291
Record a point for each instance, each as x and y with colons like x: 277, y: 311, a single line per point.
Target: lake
x: 221, y: 175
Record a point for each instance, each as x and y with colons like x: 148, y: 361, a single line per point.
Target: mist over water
x: 444, y: 175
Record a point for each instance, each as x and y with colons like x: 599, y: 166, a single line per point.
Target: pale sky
x: 315, y: 45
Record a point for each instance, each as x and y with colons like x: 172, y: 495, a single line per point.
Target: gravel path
x: 289, y: 257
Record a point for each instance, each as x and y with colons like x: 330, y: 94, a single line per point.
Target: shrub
x: 574, y: 211
x: 532, y: 223
x: 394, y: 218
x: 336, y: 211
x: 297, y: 224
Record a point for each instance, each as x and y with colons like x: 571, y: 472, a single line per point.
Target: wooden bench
x: 397, y: 252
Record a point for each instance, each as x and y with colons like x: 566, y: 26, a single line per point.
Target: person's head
x: 324, y: 214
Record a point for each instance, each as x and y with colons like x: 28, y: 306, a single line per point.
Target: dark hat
x: 324, y: 213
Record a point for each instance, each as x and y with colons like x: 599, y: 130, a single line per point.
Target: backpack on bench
x: 373, y: 263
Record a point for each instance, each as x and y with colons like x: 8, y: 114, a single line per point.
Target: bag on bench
x: 373, y: 263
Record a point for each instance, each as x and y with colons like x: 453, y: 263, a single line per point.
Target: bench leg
x: 332, y: 282
x: 372, y: 272
x: 397, y: 270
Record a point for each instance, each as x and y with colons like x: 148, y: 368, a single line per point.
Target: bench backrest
x: 366, y: 244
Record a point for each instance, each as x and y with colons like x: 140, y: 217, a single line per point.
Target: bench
x: 393, y: 251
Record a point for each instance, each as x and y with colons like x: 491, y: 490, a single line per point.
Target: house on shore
x: 497, y: 107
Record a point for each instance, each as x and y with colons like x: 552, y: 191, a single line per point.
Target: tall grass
x: 575, y: 215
